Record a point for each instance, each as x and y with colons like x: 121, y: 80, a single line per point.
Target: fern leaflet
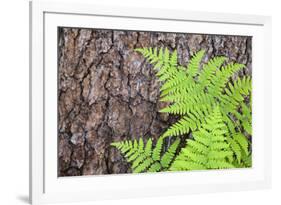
x: 145, y: 157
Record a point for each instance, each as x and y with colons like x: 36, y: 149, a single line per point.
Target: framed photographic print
x: 130, y: 102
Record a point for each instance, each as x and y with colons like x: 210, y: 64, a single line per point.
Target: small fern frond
x: 146, y: 158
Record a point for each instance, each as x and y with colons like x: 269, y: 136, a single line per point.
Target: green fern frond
x: 209, y: 148
x: 194, y: 93
x: 146, y: 158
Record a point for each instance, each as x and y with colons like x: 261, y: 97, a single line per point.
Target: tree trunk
x: 107, y: 92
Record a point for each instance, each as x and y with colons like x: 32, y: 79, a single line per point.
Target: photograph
x: 134, y: 101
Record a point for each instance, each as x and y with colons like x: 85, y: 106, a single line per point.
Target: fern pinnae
x: 242, y: 141
x: 166, y: 56
x: 148, y: 147
x: 193, y: 66
x: 131, y: 149
x: 217, y: 84
x: 174, y: 80
x: 247, y: 126
x: 174, y: 59
x: 200, y: 148
x: 219, y: 146
x: 143, y: 166
x: 218, y: 164
x: 155, y: 167
x: 209, y: 70
x: 181, y: 127
x: 141, y: 157
x: 194, y: 156
x: 157, y: 150
x: 169, y: 155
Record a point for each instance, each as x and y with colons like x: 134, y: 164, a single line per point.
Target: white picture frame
x: 46, y: 187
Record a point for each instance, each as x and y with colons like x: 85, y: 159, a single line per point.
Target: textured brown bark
x: 107, y: 92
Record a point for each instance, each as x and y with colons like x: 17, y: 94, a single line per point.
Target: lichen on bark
x: 107, y: 92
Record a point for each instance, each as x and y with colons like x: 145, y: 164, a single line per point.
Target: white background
x: 14, y: 100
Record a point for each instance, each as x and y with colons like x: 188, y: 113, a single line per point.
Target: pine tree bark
x: 107, y: 92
